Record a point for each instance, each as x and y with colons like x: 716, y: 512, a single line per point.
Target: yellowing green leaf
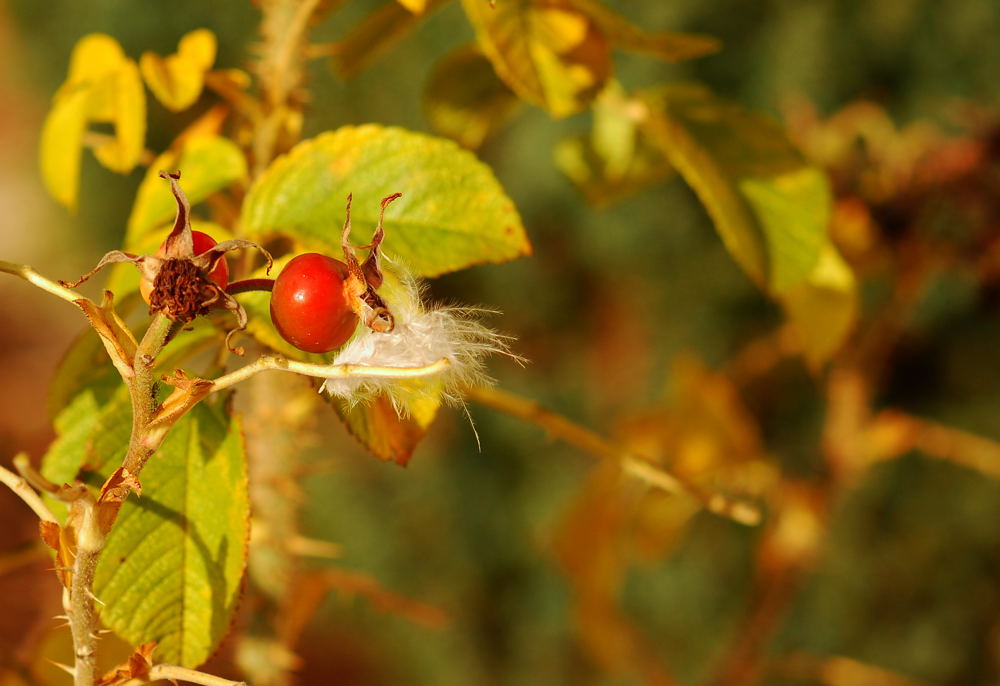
x: 549, y: 53
x: 207, y: 164
x: 379, y: 428
x: 453, y: 213
x: 465, y: 100
x: 769, y: 206
x: 823, y: 308
x: 172, y: 565
x: 415, y: 6
x: 626, y: 36
x: 177, y: 80
x: 102, y: 86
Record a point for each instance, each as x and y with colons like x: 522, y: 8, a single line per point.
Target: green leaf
x: 823, y: 308
x: 550, y: 53
x: 769, y: 206
x: 465, y: 100
x: 208, y: 163
x: 453, y: 213
x: 613, y: 162
x: 173, y: 563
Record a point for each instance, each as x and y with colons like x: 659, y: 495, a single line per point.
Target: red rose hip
x: 310, y: 306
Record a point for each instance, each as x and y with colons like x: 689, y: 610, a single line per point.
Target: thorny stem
x: 80, y: 609
x: 284, y: 27
x: 586, y: 440
x: 143, y: 443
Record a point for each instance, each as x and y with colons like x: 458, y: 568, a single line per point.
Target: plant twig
x: 284, y: 27
x: 175, y: 673
x: 25, y: 492
x: 80, y: 608
x: 586, y: 440
x: 31, y: 276
x: 141, y: 391
x: 900, y: 432
x: 324, y: 371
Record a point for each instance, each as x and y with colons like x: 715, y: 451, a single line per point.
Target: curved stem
x: 324, y: 371
x: 31, y: 276
x: 589, y: 442
x: 22, y: 490
x: 248, y: 285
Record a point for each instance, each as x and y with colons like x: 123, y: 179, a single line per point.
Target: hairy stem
x: 589, y: 442
x: 80, y: 609
x: 284, y: 27
x: 141, y: 389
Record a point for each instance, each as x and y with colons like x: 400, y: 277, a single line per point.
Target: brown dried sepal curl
x: 182, y: 289
x: 182, y: 292
x: 364, y: 278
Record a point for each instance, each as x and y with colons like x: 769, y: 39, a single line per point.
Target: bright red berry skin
x: 310, y: 307
x: 202, y: 242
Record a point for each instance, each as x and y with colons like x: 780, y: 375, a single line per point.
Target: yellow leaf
x: 177, y: 80
x: 128, y: 104
x: 415, y: 6
x: 551, y: 54
x: 102, y: 86
x: 61, y: 146
x: 95, y: 56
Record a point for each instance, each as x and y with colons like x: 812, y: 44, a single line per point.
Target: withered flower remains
x: 181, y: 287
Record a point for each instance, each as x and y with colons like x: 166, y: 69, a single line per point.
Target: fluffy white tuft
x: 421, y: 337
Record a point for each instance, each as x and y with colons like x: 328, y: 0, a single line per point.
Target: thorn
x: 95, y: 598
x: 66, y: 668
x: 66, y: 617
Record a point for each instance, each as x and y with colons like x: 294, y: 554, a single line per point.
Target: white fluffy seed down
x: 421, y: 337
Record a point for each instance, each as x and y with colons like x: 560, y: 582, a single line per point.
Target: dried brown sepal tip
x: 182, y: 289
x: 364, y: 278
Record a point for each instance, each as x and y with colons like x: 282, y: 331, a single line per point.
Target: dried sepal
x: 136, y: 668
x: 364, y: 279
x: 115, y: 257
x: 422, y: 335
x: 116, y: 337
x: 113, y: 494
x: 181, y: 286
